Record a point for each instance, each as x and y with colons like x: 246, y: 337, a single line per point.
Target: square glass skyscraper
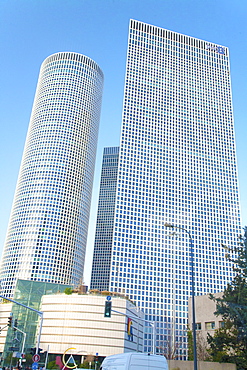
x: 105, y: 220
x: 177, y: 164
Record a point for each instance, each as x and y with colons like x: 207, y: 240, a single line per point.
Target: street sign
x: 36, y: 358
x: 13, y: 349
x: 108, y: 298
x: 35, y: 365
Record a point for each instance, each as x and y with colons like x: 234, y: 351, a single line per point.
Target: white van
x: 134, y: 361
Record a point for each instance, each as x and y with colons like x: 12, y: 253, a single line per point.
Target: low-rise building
x: 70, y: 320
x: 206, y: 320
x: 78, y: 321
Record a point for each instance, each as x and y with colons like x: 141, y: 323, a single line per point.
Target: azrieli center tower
x: 177, y: 165
x: 47, y: 233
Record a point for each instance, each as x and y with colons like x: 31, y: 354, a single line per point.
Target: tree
x: 29, y: 360
x: 229, y: 343
x: 88, y: 363
x: 190, y: 345
x: 52, y: 365
x: 201, y: 347
x: 68, y: 290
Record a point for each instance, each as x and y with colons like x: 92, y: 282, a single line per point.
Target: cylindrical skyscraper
x: 47, y: 233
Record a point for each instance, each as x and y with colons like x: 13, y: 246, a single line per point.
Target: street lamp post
x: 192, y: 288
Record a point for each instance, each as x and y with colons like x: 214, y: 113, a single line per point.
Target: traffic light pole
x: 40, y: 313
x: 23, y: 343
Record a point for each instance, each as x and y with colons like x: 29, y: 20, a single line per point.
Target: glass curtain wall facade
x: 100, y: 277
x: 30, y: 294
x: 47, y: 233
x: 177, y: 164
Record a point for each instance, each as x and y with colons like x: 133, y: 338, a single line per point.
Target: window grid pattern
x: 177, y: 164
x: 105, y: 218
x: 47, y: 233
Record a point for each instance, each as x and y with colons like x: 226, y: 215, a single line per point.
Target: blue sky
x: 30, y: 30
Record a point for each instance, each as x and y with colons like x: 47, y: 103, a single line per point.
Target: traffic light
x: 10, y: 321
x: 96, y: 359
x: 107, y: 309
x: 15, y: 324
x: 32, y: 351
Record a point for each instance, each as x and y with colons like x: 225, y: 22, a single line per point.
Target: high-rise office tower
x: 105, y: 220
x: 47, y: 233
x: 177, y: 164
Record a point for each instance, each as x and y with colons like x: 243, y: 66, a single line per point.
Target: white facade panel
x: 5, y: 312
